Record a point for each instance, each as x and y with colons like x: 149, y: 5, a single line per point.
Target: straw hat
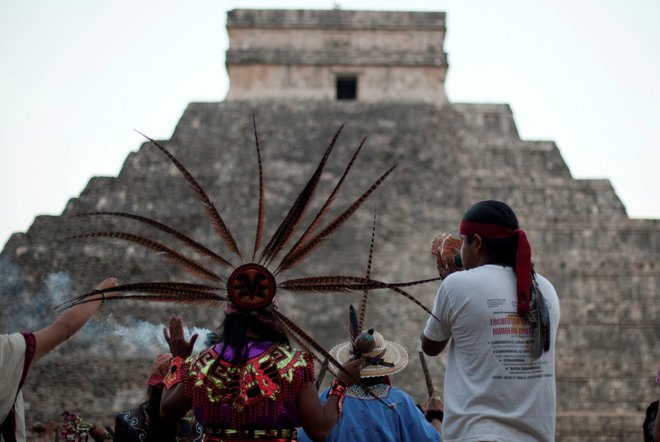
x: 386, y: 358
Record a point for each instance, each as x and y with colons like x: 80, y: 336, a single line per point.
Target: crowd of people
x: 495, y: 314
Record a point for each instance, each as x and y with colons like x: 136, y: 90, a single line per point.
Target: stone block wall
x: 603, y: 264
x: 300, y: 54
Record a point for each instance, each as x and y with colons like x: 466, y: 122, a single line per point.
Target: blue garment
x: 366, y: 419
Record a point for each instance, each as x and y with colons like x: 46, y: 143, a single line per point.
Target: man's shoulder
x: 11, y: 337
x: 399, y: 392
x: 542, y: 279
x: 487, y: 272
x: 12, y: 342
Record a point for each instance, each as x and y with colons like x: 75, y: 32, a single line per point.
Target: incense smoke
x: 144, y: 337
x: 102, y: 336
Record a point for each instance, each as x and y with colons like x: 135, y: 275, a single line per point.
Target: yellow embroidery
x: 258, y: 378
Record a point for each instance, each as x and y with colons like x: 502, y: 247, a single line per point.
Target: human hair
x: 374, y: 380
x: 235, y: 332
x: 503, y: 250
x: 158, y: 429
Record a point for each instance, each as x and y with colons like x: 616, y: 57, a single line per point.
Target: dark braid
x: 234, y: 333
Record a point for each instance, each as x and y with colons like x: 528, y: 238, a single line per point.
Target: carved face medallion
x: 251, y: 287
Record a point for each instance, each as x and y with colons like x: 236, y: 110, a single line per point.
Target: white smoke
x: 58, y: 288
x: 103, y: 335
x: 142, y: 337
x: 24, y: 310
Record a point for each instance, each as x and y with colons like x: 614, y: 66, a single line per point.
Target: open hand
x: 175, y: 339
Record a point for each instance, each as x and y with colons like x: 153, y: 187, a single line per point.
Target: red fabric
x: 258, y: 393
x: 176, y: 372
x: 159, y: 370
x: 523, y: 260
x: 30, y: 348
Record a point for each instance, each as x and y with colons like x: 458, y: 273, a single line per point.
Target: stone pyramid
x: 449, y: 155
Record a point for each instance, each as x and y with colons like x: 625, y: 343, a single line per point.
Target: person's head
x: 241, y: 327
x: 479, y: 249
x: 385, y: 359
x: 492, y: 236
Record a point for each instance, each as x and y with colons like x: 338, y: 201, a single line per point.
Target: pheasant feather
x: 172, y: 290
x: 188, y: 299
x: 284, y: 231
x: 167, y: 229
x: 365, y: 293
x: 353, y: 324
x: 216, y: 219
x: 539, y: 322
x: 325, y: 233
x: 260, y: 214
x: 317, y: 219
x: 351, y: 283
x: 185, y: 263
x: 301, y: 334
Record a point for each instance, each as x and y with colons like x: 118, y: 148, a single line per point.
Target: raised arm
x: 68, y: 323
x: 174, y: 404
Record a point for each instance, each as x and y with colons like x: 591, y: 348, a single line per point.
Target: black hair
x: 650, y: 421
x: 373, y: 380
x: 235, y: 333
x: 158, y: 429
x: 500, y: 251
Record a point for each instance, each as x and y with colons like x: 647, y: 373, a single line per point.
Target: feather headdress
x: 250, y: 285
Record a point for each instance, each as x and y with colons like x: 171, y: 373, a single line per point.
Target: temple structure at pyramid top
x: 367, y: 56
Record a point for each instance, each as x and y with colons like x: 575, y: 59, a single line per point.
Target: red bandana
x: 523, y: 260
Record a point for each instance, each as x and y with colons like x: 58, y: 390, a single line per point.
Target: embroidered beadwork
x: 258, y: 379
x: 380, y: 391
x: 175, y: 373
x: 252, y: 433
x: 338, y: 389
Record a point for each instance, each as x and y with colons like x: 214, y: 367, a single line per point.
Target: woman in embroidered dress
x: 251, y: 385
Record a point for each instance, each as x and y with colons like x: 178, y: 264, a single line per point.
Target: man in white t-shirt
x: 502, y: 318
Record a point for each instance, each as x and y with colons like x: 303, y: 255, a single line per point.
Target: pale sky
x: 78, y: 76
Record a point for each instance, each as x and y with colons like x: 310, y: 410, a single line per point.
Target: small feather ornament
x: 539, y: 322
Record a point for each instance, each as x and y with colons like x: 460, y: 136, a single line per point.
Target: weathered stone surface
x: 603, y: 264
x: 215, y: 142
x: 334, y: 19
x: 280, y: 54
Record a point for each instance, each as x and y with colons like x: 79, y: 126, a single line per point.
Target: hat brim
x: 394, y: 354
